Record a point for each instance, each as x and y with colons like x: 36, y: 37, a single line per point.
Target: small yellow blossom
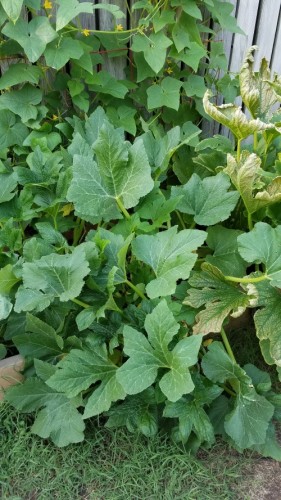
x: 47, y: 4
x: 55, y: 118
x: 119, y: 27
x: 86, y: 32
x: 67, y: 209
x: 169, y: 71
x: 207, y: 342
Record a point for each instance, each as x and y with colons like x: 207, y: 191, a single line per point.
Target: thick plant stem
x: 227, y: 345
x: 136, y: 289
x: 250, y: 222
x: 238, y: 150
x: 123, y: 209
x: 247, y: 280
x: 80, y: 303
x: 180, y: 219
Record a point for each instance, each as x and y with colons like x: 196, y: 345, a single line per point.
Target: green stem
x: 80, y: 303
x: 250, y: 222
x: 226, y: 389
x: 247, y: 280
x: 122, y: 208
x: 180, y: 219
x: 238, y: 150
x: 136, y: 289
x: 227, y: 345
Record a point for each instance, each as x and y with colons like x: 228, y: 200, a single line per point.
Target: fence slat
x: 246, y: 19
x: 266, y: 30
x: 115, y: 66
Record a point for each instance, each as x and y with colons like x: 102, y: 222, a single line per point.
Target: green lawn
x: 111, y: 466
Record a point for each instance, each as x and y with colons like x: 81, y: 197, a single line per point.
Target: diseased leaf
x: 146, y: 356
x: 208, y: 199
x: 220, y: 297
x: 256, y: 90
x: 232, y: 117
x: 170, y: 255
x: 246, y: 176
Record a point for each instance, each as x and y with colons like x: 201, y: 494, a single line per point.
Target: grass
x: 116, y: 465
x: 111, y: 466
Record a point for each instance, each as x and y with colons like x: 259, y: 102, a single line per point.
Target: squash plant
x: 122, y: 263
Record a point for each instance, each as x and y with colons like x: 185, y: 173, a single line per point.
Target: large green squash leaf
x: 59, y: 419
x: 248, y: 422
x: 208, y: 199
x: 57, y: 275
x: 268, y: 322
x: 263, y: 244
x: 170, y: 255
x: 146, y: 356
x: 120, y: 174
x: 82, y: 368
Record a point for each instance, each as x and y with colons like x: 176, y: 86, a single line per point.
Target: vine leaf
x: 219, y: 296
x: 246, y: 176
x: 262, y: 244
x: 153, y: 48
x: 82, y: 368
x: 208, y: 199
x: 59, y: 418
x: 69, y: 9
x: 146, y: 356
x: 121, y: 173
x: 33, y: 37
x: 12, y: 9
x: 170, y: 255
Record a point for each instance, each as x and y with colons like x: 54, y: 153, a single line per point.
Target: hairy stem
x: 250, y: 222
x: 180, y: 219
x: 256, y: 279
x: 238, y: 150
x: 136, y: 289
x: 227, y: 345
x: 80, y: 303
x: 122, y: 208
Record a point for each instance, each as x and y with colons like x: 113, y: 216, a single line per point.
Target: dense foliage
x: 124, y: 256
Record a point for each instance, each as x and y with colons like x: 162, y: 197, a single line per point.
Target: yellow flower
x: 67, y: 209
x: 207, y: 342
x: 55, y: 118
x: 169, y: 71
x: 119, y: 27
x: 47, y: 4
x: 86, y: 32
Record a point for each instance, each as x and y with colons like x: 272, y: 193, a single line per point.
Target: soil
x: 263, y: 482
